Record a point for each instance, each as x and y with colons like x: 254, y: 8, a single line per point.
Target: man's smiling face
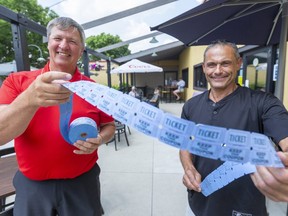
x: 65, y: 48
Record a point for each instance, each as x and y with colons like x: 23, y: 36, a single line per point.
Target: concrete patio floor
x: 144, y: 178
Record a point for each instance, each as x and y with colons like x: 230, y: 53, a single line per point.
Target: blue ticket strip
x: 241, y: 150
x: 223, y: 175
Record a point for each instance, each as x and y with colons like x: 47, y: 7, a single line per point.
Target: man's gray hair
x: 63, y: 23
x: 223, y: 43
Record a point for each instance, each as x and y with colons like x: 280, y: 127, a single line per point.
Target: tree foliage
x: 33, y: 11
x: 103, y: 40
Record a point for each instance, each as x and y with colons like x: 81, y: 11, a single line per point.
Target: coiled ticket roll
x: 80, y: 128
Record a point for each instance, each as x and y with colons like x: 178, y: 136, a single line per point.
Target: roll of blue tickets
x: 82, y: 128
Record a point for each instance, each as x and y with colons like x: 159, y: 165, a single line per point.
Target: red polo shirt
x: 41, y: 151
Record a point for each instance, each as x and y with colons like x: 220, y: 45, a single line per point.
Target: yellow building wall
x: 101, y: 76
x: 167, y: 64
x: 188, y: 58
x: 285, y: 93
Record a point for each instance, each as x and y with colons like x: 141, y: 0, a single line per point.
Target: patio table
x: 8, y: 168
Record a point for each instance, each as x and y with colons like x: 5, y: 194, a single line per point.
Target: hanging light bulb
x: 153, y: 40
x: 154, y: 54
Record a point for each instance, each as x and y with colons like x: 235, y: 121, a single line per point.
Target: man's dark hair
x: 223, y: 43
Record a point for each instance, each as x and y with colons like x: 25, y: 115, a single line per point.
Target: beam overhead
x: 123, y: 43
x: 148, y: 52
x: 126, y: 13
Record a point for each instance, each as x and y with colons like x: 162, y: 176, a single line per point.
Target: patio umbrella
x: 8, y: 67
x: 245, y: 22
x: 136, y: 66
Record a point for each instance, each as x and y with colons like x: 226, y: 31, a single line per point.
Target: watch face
x: 255, y: 62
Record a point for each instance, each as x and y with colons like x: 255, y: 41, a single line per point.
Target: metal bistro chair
x: 164, y: 94
x: 182, y: 97
x: 120, y: 129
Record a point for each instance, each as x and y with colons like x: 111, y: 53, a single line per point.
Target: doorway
x: 258, y: 69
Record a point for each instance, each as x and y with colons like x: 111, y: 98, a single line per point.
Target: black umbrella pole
x: 282, y: 52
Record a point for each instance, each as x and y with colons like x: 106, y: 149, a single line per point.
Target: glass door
x: 256, y: 68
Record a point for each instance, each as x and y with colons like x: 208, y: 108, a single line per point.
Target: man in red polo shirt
x: 54, y: 177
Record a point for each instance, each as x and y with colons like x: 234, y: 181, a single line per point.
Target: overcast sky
x: 130, y: 27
